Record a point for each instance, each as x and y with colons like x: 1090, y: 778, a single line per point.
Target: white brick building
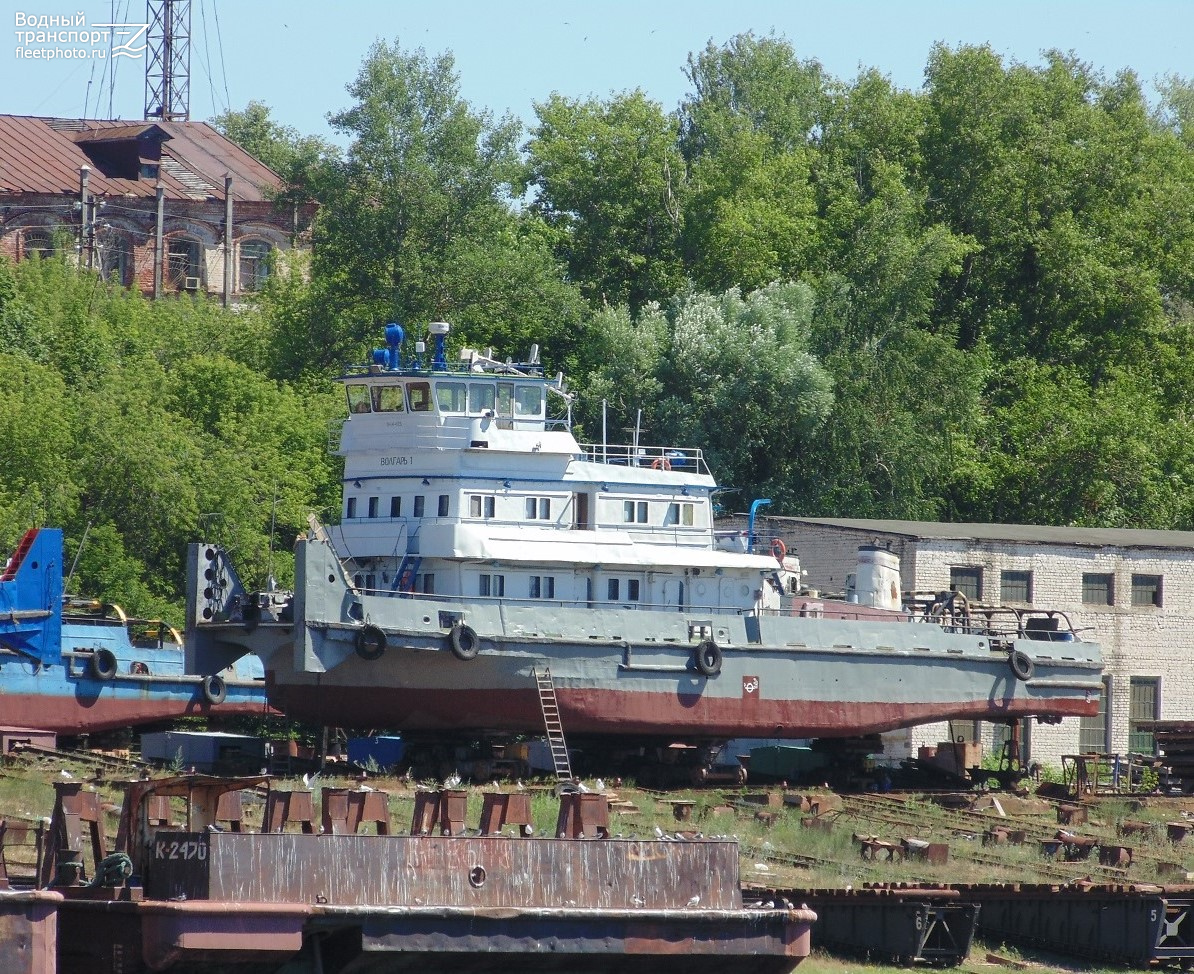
x: 1131, y: 591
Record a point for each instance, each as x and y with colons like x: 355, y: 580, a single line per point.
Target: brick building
x: 1131, y: 591
x: 104, y: 188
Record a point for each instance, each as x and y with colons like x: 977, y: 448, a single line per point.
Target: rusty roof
x: 43, y: 155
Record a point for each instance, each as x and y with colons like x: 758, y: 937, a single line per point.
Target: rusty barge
x: 203, y: 895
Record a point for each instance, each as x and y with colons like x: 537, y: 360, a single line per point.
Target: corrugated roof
x: 1015, y: 533
x: 43, y: 155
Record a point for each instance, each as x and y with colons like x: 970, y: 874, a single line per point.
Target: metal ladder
x: 554, y: 727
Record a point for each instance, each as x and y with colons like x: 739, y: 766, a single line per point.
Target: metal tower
x: 168, y: 60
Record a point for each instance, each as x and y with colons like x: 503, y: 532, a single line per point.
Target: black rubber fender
x: 464, y: 642
x: 215, y: 690
x: 1021, y: 664
x: 103, y: 664
x: 708, y: 658
x: 371, y: 643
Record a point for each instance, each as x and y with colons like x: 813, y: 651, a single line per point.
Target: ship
x: 490, y: 574
x: 77, y: 666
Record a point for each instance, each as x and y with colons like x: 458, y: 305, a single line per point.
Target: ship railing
x: 335, y: 429
x: 955, y: 612
x: 527, y: 601
x: 688, y: 459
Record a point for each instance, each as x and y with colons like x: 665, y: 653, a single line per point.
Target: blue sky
x: 298, y: 55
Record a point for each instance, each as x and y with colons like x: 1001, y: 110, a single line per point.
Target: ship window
x: 428, y: 584
x: 419, y: 504
x: 395, y: 507
x: 387, y: 399
x: 678, y: 514
x: 538, y: 508
x: 632, y: 590
x: 968, y: 580
x: 452, y: 397
x: 1098, y: 588
x: 481, y: 396
x: 1015, y: 587
x: 505, y: 399
x: 351, y: 509
x: 370, y: 582
x: 480, y: 505
x: 444, y: 504
x: 418, y: 397
x: 634, y: 512
x: 1146, y: 590
x: 543, y: 587
x: 528, y: 401
x: 611, y: 590
x: 373, y: 507
x: 358, y: 398
x: 493, y: 586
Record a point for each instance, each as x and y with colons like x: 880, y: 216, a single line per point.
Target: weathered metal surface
x: 447, y: 871
x: 28, y: 931
x: 914, y: 926
x: 1130, y: 926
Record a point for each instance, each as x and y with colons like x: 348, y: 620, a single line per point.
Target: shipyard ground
x: 809, y: 841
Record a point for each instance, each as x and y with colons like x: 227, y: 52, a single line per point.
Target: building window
x: 543, y: 587
x: 1144, y: 703
x: 373, y: 507
x: 1094, y: 733
x: 1098, y: 588
x: 444, y: 504
x: 611, y: 590
x: 351, y: 509
x: 37, y: 243
x: 116, y: 261
x: 1146, y: 590
x: 419, y: 505
x: 1015, y: 587
x: 632, y: 590
x: 634, y: 512
x: 254, y: 264
x: 395, y: 507
x: 968, y: 580
x: 493, y: 586
x: 538, y: 508
x: 184, y: 265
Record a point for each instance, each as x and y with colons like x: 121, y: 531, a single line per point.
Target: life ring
x: 215, y: 690
x: 779, y: 550
x: 103, y: 664
x: 1021, y: 664
x: 661, y: 463
x: 371, y: 643
x: 464, y: 642
x: 708, y: 658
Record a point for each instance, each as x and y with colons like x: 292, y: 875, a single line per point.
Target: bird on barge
x: 483, y: 553
x: 75, y: 666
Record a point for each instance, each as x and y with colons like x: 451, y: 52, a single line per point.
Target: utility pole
x: 168, y: 60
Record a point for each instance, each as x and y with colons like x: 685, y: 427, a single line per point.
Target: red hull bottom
x: 70, y: 716
x: 612, y: 712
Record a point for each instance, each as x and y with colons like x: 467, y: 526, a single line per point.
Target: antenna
x: 168, y: 64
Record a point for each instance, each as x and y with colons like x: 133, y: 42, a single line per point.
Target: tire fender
x: 708, y: 658
x: 1021, y: 664
x: 370, y: 643
x: 215, y: 690
x: 103, y: 664
x: 464, y: 642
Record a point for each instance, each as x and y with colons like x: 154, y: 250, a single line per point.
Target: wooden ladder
x: 550, y: 708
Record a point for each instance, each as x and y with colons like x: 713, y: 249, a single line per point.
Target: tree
x: 606, y: 178
x: 417, y: 226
